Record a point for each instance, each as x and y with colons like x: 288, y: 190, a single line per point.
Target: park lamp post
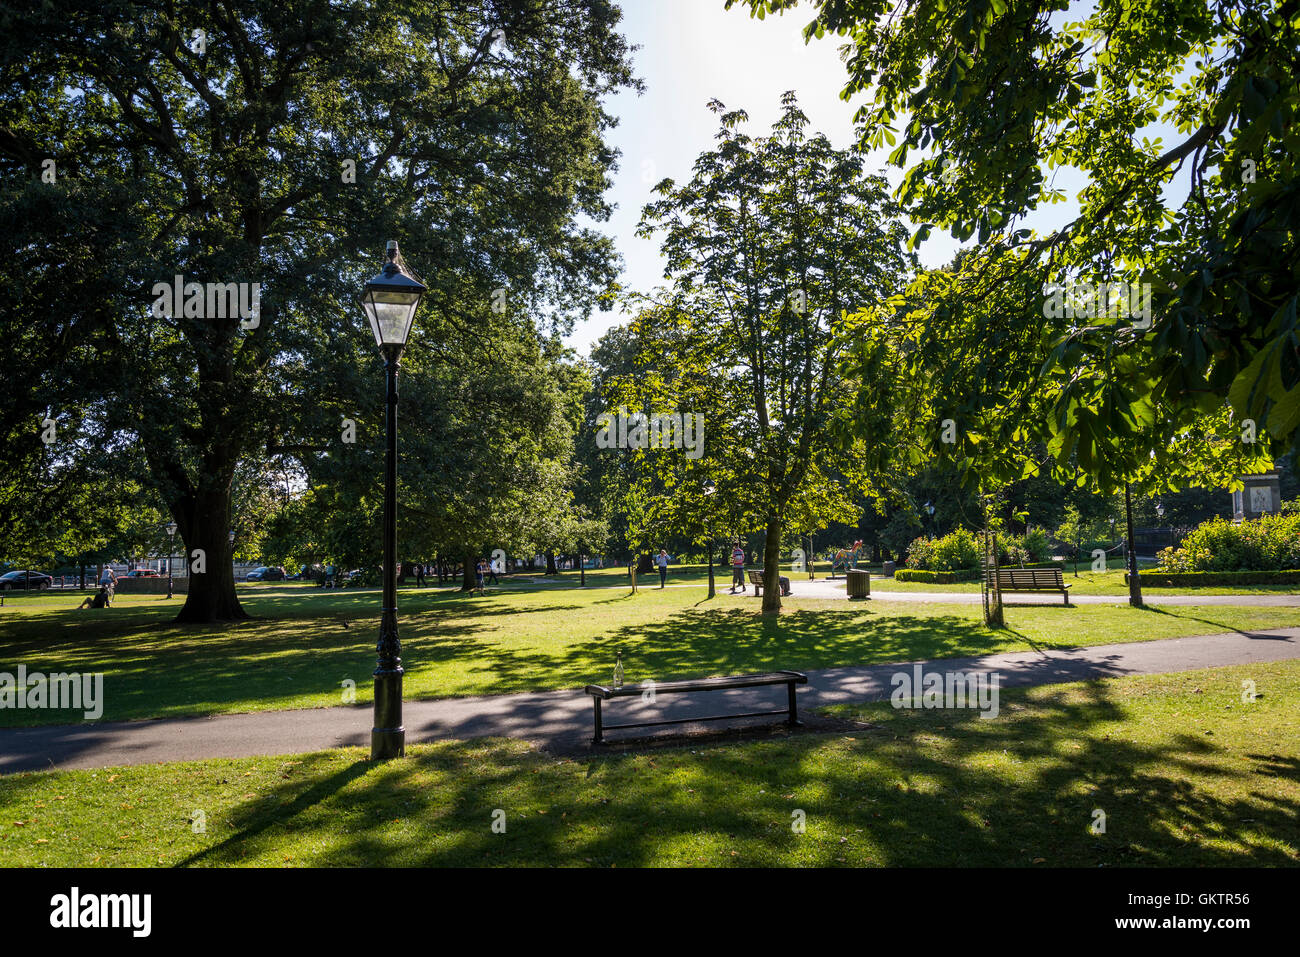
x: 390, y: 300
x: 709, y: 489
x: 171, y: 551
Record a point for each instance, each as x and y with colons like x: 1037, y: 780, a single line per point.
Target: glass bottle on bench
x: 618, y: 670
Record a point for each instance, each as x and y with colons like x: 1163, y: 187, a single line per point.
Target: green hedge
x: 936, y: 578
x: 961, y: 575
x: 1158, y: 579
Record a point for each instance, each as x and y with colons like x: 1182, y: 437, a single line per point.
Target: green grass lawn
x: 298, y: 652
x: 1088, y: 582
x: 1186, y: 773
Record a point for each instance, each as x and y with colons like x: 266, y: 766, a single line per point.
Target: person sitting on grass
x: 98, y: 600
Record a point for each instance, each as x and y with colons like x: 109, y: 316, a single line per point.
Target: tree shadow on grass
x: 918, y: 789
x: 1221, y: 626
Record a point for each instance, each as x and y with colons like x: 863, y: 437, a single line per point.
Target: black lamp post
x: 171, y: 550
x: 390, y: 300
x: 709, y: 489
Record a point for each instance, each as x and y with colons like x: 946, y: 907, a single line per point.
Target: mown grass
x: 305, y: 643
x: 1087, y: 582
x: 1186, y: 772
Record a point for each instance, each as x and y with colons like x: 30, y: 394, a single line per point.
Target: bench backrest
x: 1030, y: 578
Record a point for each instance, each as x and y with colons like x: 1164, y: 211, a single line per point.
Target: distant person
x: 419, y: 574
x: 492, y: 574
x: 329, y: 576
x: 479, y: 572
x: 101, y: 599
x: 737, y: 568
x: 662, y: 561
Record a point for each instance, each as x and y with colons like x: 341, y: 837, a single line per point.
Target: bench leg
x: 599, y: 737
x: 793, y: 720
x: 1066, y: 596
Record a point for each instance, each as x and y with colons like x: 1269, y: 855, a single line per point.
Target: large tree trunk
x: 550, y: 563
x: 772, y: 567
x: 205, y: 525
x: 467, y: 578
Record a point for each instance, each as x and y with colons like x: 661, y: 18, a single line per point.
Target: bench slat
x: 702, y: 684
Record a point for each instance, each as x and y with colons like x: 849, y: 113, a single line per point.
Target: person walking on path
x: 478, y: 575
x: 108, y: 579
x: 492, y: 574
x: 737, y: 567
x: 662, y: 561
x: 419, y: 574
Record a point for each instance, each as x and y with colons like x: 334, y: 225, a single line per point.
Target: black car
x: 20, y: 579
x: 266, y: 573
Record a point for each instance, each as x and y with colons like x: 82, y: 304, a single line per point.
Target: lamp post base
x: 386, y: 743
x: 388, y: 736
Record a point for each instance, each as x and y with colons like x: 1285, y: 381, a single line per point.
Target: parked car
x: 143, y: 573
x: 20, y: 579
x: 266, y: 573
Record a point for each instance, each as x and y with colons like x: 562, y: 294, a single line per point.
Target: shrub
x: 1161, y: 579
x: 955, y: 551
x: 920, y: 552
x: 1037, y: 545
x: 1268, y: 543
x: 936, y: 578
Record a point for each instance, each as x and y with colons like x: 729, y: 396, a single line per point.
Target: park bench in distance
x: 1032, y: 580
x: 601, y: 693
x: 756, y: 579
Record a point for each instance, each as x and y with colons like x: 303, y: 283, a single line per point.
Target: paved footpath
x: 561, y: 720
x: 834, y: 588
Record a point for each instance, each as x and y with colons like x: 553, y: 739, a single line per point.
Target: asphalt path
x: 562, y: 720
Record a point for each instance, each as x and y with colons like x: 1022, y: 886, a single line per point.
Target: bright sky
x: 692, y: 51
x: 695, y: 50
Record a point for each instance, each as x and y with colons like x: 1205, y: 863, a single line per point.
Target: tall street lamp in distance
x: 390, y: 300
x: 171, y: 551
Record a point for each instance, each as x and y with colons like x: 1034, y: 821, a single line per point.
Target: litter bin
x: 859, y: 583
x: 888, y: 569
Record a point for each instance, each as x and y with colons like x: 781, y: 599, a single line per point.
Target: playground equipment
x: 846, y: 558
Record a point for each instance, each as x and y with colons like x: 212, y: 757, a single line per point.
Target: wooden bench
x: 602, y: 693
x: 1032, y: 580
x: 756, y: 579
